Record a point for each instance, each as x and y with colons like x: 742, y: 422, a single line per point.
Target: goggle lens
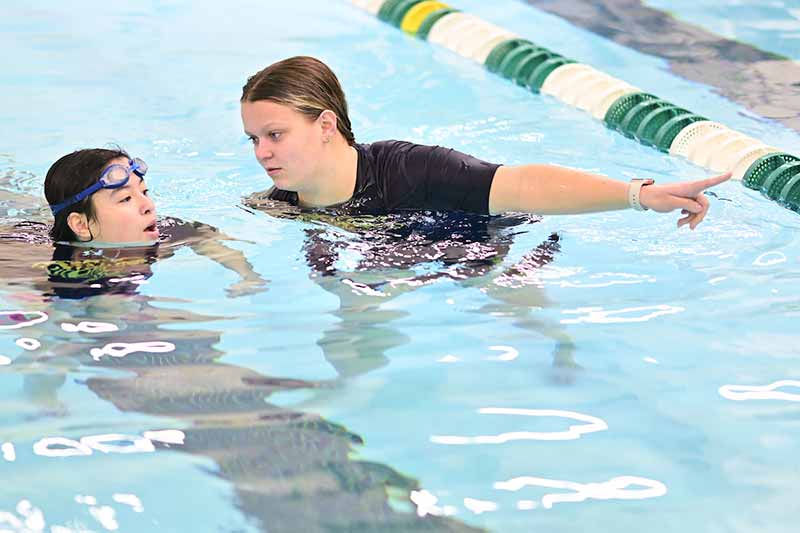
x: 117, y: 175
x: 139, y: 167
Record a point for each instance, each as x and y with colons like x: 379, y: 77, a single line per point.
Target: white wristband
x: 635, y: 191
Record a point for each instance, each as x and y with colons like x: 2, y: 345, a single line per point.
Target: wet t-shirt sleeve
x: 415, y: 176
x: 275, y: 193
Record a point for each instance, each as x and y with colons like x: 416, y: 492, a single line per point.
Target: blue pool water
x: 598, y: 386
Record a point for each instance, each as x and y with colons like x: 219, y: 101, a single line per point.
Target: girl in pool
x: 295, y: 113
x: 99, y: 200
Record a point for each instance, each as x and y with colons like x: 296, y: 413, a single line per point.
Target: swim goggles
x: 113, y: 177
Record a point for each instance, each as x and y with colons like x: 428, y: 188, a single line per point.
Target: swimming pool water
x: 599, y: 386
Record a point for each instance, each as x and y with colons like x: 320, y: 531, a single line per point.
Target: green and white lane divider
x: 621, y: 106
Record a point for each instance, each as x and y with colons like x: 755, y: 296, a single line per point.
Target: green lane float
x: 495, y: 60
x: 758, y: 172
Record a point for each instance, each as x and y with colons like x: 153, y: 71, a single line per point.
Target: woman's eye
x: 253, y: 140
x: 275, y: 135
x: 126, y: 199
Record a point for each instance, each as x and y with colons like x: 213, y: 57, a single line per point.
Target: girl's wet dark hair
x: 305, y: 84
x: 70, y: 175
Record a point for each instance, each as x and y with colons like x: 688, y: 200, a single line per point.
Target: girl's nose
x: 147, y: 205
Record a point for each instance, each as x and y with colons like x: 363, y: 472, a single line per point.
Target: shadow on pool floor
x: 767, y: 84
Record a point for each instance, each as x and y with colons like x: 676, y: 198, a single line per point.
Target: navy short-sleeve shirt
x: 394, y: 175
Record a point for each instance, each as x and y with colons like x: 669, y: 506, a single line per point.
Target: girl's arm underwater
x: 208, y: 244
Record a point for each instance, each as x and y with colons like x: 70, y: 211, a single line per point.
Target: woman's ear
x: 327, y: 120
x: 79, y: 224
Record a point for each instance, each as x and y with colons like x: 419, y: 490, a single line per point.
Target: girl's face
x: 286, y: 143
x: 126, y: 214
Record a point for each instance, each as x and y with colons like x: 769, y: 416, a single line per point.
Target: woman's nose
x: 263, y: 152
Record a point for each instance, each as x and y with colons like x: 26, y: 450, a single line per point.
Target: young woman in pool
x: 99, y: 200
x: 295, y: 113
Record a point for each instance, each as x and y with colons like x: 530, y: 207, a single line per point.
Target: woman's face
x: 126, y: 214
x: 286, y: 143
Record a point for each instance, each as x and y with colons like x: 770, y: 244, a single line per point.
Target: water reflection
x: 367, y: 260
x: 289, y: 470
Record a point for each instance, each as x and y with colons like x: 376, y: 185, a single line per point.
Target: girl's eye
x: 275, y: 135
x: 126, y: 199
x: 253, y: 140
x: 145, y: 191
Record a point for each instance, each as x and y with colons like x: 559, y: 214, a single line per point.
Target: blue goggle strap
x: 77, y: 198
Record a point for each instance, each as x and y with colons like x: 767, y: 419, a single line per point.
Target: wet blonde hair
x: 305, y: 84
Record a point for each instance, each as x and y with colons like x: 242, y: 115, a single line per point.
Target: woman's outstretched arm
x: 548, y: 189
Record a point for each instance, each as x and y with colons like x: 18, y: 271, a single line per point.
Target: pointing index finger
x: 707, y: 183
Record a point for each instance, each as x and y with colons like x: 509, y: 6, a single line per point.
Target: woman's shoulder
x: 387, y: 146
x: 393, y: 152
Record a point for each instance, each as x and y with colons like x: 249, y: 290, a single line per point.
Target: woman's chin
x: 281, y: 182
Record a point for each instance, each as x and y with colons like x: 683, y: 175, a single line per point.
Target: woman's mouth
x: 273, y: 170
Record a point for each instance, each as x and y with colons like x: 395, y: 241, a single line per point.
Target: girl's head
x: 295, y: 113
x: 100, y: 195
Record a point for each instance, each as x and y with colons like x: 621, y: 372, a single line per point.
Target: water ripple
x: 597, y: 315
x: 121, y: 349
x: 28, y: 344
x: 89, y: 327
x: 740, y: 393
x: 21, y: 319
x: 614, y: 489
x: 770, y: 259
x: 591, y: 425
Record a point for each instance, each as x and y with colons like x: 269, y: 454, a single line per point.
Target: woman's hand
x: 687, y: 196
